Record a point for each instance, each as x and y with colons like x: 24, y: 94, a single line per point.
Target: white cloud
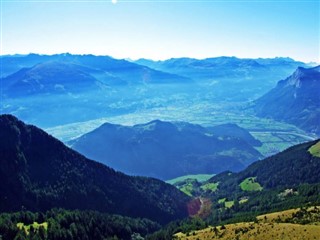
x: 114, y: 1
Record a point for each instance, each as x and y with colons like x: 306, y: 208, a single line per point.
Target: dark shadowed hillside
x: 38, y: 173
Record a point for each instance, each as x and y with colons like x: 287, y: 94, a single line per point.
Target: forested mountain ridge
x: 287, y: 180
x: 166, y: 149
x: 39, y: 172
x: 290, y: 168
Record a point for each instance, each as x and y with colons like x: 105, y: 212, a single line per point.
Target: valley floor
x: 275, y: 136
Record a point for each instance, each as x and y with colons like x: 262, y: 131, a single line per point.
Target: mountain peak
x: 303, y: 74
x: 158, y: 125
x: 295, y: 78
x: 300, y: 71
x: 294, y: 100
x: 8, y: 118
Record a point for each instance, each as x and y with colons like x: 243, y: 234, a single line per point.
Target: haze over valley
x: 70, y: 95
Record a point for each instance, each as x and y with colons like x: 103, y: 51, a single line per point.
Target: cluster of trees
x: 263, y: 202
x: 185, y: 226
x: 67, y: 225
x: 305, y: 216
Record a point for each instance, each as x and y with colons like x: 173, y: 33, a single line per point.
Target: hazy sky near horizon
x: 163, y: 29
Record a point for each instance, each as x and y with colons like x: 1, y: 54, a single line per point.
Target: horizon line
x: 152, y: 59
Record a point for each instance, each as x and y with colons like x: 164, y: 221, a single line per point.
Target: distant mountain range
x: 50, y: 78
x: 41, y: 88
x: 33, y: 87
x: 176, y: 70
x: 295, y: 100
x: 167, y: 150
x: 225, y: 67
x: 38, y: 173
x: 36, y: 73
x: 230, y: 78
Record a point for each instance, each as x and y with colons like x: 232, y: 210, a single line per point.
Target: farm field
x: 315, y: 150
x: 250, y: 184
x: 198, y: 177
x: 193, y: 185
x: 188, y: 186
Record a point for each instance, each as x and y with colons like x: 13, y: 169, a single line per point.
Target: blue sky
x: 163, y: 29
